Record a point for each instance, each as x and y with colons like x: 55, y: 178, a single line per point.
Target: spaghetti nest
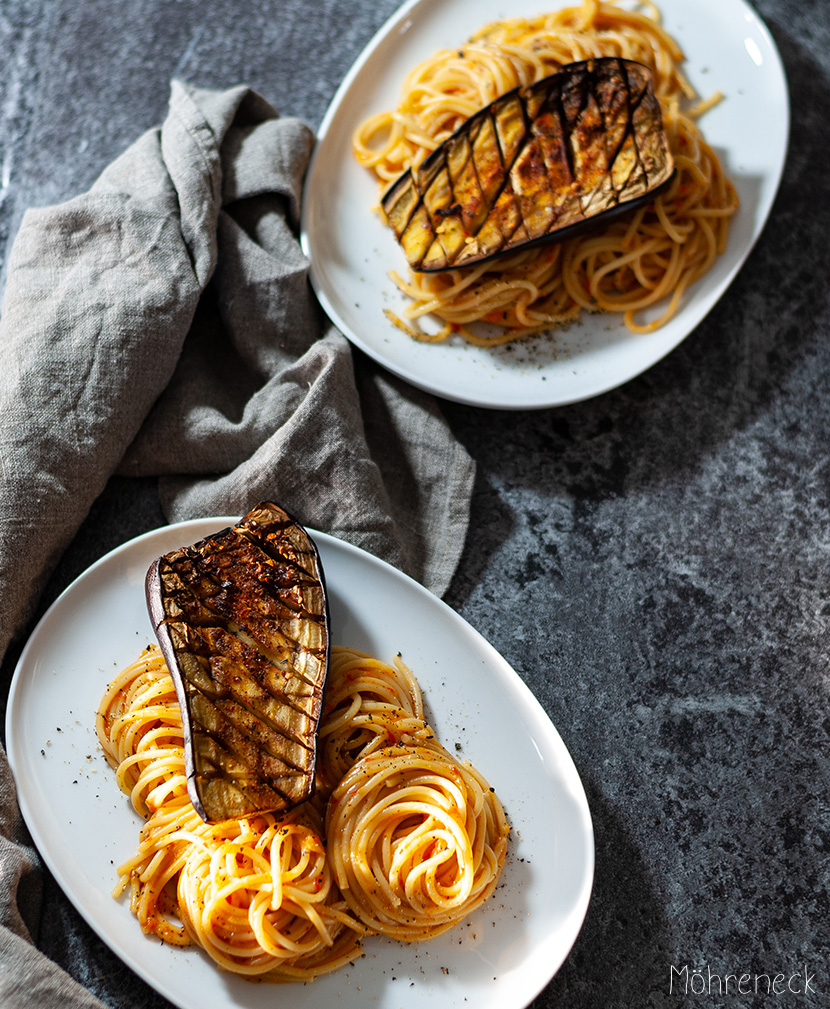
x: 651, y: 254
x: 401, y: 839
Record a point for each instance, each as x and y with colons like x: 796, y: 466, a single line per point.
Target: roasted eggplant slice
x: 536, y: 165
x: 242, y: 621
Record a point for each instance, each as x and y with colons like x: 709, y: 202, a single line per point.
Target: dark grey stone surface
x: 655, y: 562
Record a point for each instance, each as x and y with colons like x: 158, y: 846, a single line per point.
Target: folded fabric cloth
x: 162, y: 324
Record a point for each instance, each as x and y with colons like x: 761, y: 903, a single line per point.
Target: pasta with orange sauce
x: 416, y: 840
x: 264, y: 895
x: 644, y: 258
x: 255, y: 893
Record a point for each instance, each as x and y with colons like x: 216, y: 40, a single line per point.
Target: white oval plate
x: 727, y: 47
x: 83, y: 826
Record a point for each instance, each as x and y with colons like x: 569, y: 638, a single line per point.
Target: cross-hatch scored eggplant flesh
x: 242, y: 620
x: 536, y: 165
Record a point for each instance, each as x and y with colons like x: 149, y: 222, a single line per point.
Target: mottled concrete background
x: 655, y: 563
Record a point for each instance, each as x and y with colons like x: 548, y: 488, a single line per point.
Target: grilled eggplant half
x: 242, y: 621
x: 536, y: 165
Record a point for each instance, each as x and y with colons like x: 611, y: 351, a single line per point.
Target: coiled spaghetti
x: 365, y: 708
x: 652, y: 254
x: 290, y: 897
x: 416, y: 840
x: 255, y: 893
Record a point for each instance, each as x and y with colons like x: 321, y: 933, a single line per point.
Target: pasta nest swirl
x: 257, y: 895
x: 416, y: 840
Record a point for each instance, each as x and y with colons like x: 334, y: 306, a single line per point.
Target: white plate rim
x: 531, y: 378
x: 22, y: 759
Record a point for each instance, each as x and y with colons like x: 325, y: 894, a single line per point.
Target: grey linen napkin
x: 162, y: 324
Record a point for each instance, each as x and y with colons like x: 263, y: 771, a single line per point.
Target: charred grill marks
x: 242, y: 621
x: 534, y: 165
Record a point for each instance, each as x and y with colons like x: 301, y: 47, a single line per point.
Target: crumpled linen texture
x: 162, y: 324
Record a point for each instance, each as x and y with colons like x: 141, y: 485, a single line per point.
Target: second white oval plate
x: 83, y: 826
x: 727, y: 48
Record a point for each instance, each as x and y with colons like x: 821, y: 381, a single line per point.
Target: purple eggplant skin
x: 242, y: 620
x: 540, y: 164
